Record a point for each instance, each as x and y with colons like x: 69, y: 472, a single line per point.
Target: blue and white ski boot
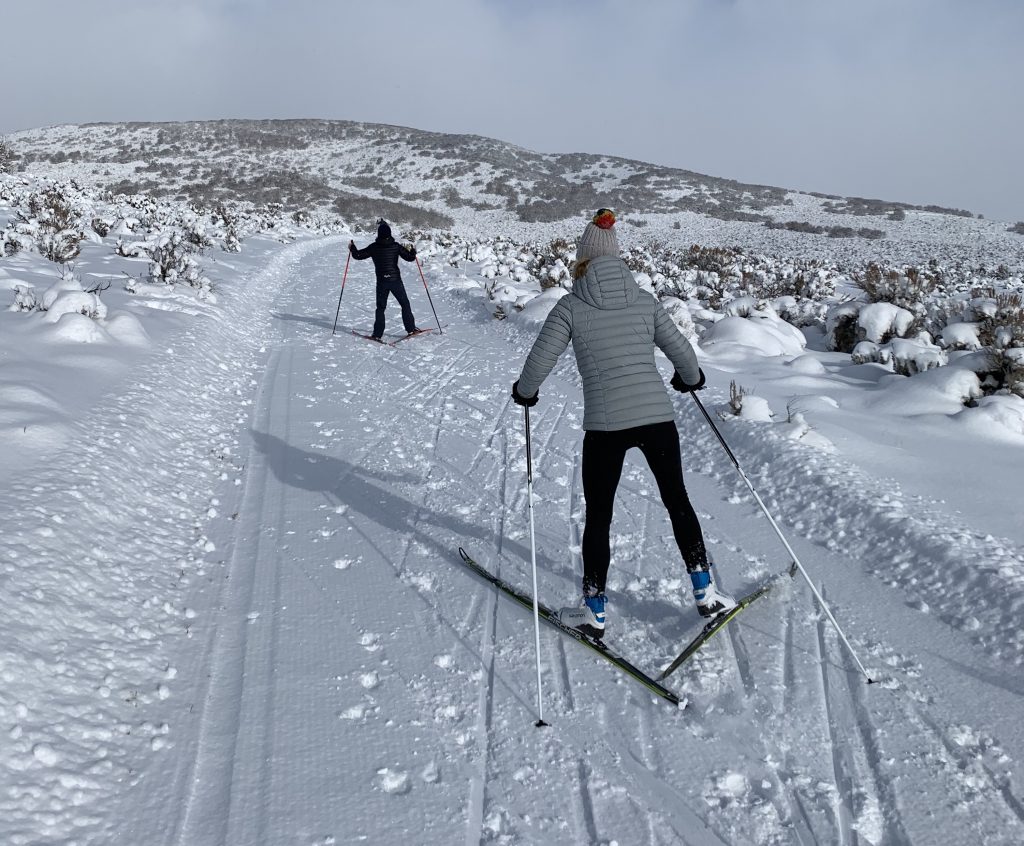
x: 589, y: 616
x: 710, y: 600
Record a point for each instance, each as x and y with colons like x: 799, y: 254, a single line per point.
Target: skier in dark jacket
x: 615, y: 327
x: 385, y: 252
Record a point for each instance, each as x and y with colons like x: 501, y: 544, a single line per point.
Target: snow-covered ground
x: 234, y: 611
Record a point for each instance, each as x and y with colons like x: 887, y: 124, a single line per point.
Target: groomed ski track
x: 346, y: 680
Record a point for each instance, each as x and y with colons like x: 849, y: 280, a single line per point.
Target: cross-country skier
x: 614, y: 328
x: 385, y: 252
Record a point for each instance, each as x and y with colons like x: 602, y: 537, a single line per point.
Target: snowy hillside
x: 234, y: 608
x: 485, y: 187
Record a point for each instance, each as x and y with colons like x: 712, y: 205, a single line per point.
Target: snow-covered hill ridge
x: 484, y: 187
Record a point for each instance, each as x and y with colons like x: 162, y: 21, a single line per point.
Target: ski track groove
x: 884, y: 791
x: 801, y: 819
x: 885, y: 787
x: 207, y: 804
x: 488, y: 639
x: 842, y: 806
x: 485, y: 702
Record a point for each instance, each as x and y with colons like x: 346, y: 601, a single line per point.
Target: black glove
x: 351, y: 246
x: 519, y: 399
x: 682, y: 387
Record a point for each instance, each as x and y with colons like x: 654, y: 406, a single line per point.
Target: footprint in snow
x: 393, y: 781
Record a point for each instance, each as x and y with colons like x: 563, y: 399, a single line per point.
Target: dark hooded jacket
x: 385, y: 252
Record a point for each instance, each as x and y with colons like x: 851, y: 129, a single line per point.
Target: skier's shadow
x: 366, y: 490
x: 319, y: 322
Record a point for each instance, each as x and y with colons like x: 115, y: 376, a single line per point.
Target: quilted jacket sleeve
x: 554, y: 337
x: 673, y: 343
x: 365, y: 253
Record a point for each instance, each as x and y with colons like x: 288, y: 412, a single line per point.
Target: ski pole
x: 343, y: 277
x: 533, y: 560
x: 778, y: 531
x: 439, y: 332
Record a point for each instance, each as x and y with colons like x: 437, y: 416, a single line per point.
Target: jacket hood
x: 607, y: 284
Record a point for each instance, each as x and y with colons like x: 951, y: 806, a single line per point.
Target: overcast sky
x: 912, y: 100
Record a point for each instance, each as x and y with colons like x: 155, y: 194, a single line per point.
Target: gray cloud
x: 915, y: 100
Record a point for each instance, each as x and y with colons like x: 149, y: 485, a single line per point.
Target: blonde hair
x: 579, y: 268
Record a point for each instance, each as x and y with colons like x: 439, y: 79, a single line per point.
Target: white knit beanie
x: 598, y: 239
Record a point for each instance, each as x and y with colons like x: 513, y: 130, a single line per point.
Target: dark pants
x: 603, y: 454
x: 398, y: 290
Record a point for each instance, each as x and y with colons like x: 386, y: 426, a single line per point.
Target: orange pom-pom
x: 604, y: 219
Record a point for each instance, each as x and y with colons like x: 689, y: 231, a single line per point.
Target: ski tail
x: 551, y: 618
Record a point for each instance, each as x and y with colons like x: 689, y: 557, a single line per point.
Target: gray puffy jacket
x: 614, y: 327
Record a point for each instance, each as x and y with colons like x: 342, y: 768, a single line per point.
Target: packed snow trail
x: 384, y: 695
x: 330, y: 673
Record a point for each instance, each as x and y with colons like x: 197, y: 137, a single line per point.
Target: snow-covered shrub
x: 748, y: 406
x: 841, y: 330
x: 24, y: 299
x: 128, y: 249
x: 101, y: 226
x: 907, y: 288
x: 1017, y: 228
x: 869, y: 352
x: 880, y: 321
x: 55, y: 224
x: 1001, y: 331
x: 736, y: 394
x: 681, y: 316
x: 14, y: 239
x: 551, y: 264
x: 228, y: 222
x: 916, y: 355
x: 76, y: 302
x: 7, y: 157
x: 170, y: 262
x: 962, y: 335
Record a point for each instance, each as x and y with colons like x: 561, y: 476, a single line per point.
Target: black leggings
x: 603, y: 454
x: 397, y: 289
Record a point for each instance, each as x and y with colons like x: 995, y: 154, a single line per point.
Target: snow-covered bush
x: 54, y: 223
x: 7, y: 157
x: 1001, y: 331
x: 841, y: 329
x: 170, y: 262
x: 907, y: 288
x: 916, y: 355
x: 961, y: 336
x: 880, y: 321
x: 227, y: 222
x: 748, y: 406
x: 24, y: 299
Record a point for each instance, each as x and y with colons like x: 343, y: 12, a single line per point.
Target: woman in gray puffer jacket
x: 614, y: 328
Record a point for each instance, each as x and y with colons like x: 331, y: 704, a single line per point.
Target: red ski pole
x: 343, y: 277
x: 429, y: 300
